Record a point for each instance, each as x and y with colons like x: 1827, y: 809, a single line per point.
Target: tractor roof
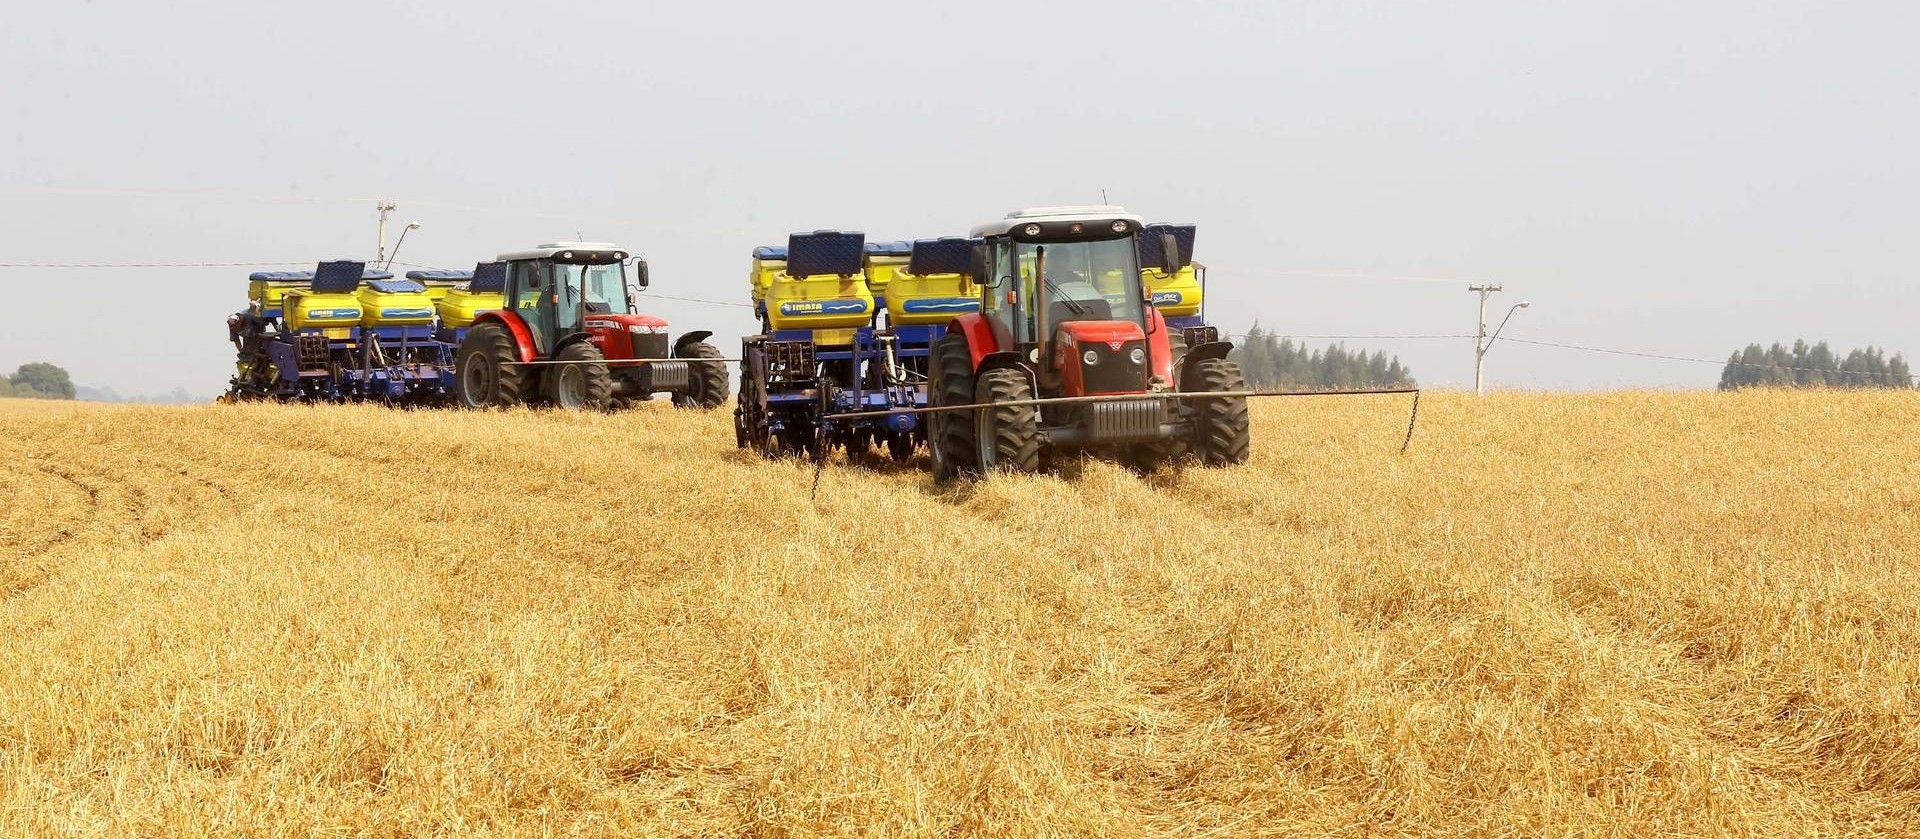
x: 1084, y: 213
x: 553, y: 249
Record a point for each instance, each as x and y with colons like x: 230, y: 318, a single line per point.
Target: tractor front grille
x: 1115, y: 372
x: 649, y: 344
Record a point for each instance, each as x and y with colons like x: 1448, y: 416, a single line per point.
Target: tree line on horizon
x: 1270, y: 361
x: 37, y: 380
x: 1815, y: 365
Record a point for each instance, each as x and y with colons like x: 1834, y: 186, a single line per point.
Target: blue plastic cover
x: 1150, y: 244
x: 281, y: 276
x: 900, y: 248
x: 769, y: 252
x: 948, y: 255
x: 824, y: 252
x: 339, y: 276
x: 395, y: 286
x: 440, y: 274
x: 489, y: 277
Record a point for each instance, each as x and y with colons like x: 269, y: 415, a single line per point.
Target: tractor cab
x: 564, y: 289
x: 1062, y: 288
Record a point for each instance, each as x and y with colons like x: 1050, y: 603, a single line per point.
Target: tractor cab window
x: 602, y: 288
x: 1084, y: 280
x: 606, y: 287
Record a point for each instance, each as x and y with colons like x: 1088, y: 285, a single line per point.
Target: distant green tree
x: 43, y: 380
x: 1814, y: 365
x: 1270, y: 361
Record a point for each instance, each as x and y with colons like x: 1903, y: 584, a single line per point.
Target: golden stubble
x: 1620, y: 614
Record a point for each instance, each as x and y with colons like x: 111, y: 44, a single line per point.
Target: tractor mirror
x: 640, y: 277
x: 1169, y: 254
x: 980, y: 264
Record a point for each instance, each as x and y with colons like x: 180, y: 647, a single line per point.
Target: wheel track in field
x: 140, y: 500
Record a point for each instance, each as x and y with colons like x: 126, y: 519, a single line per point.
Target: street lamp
x: 412, y: 225
x: 1483, y: 343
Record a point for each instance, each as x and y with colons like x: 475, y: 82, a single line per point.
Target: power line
x: 148, y: 264
x: 1346, y: 337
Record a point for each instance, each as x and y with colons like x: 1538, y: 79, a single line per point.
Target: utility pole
x: 386, y: 207
x: 1480, y: 341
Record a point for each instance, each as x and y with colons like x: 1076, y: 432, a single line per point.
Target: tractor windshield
x: 603, y: 287
x: 1084, y: 280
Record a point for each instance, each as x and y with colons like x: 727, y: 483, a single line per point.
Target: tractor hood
x: 1113, y: 333
x: 645, y: 323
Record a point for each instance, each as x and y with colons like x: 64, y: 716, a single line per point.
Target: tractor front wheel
x: 708, y: 378
x: 581, y: 382
x: 484, y: 369
x: 1221, y: 434
x: 1008, y: 436
x: 950, y: 433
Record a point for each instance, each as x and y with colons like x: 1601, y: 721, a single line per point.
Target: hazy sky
x: 1679, y: 178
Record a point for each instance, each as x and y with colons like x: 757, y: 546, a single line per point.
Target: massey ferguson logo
x: 1114, y: 345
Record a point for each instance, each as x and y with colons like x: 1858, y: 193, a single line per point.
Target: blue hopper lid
x: 949, y: 255
x: 394, y: 286
x: 899, y: 248
x: 281, y: 276
x: 769, y: 252
x: 825, y: 252
x: 440, y: 274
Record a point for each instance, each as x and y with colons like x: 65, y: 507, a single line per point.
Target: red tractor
x: 1065, y: 334
x: 569, y: 333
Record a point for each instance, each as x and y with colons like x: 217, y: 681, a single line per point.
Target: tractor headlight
x: 1090, y: 357
x: 1033, y: 230
x: 1138, y: 356
x: 1119, y: 227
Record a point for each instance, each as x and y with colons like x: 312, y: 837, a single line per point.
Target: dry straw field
x: 1626, y: 614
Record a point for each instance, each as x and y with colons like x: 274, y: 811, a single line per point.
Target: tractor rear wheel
x: 1221, y: 433
x: 582, y: 383
x: 950, y: 433
x: 1008, y: 436
x: 708, y: 378
x: 484, y: 370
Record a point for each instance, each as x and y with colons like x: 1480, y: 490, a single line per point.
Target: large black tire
x: 950, y: 433
x: 582, y: 384
x: 709, y: 378
x: 1221, y: 436
x: 1006, y: 436
x: 484, y: 373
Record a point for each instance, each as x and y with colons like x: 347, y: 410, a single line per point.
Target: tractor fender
x: 570, y: 340
x: 1002, y: 359
x: 1198, y: 353
x: 980, y: 340
x: 680, y: 346
x: 522, y: 336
